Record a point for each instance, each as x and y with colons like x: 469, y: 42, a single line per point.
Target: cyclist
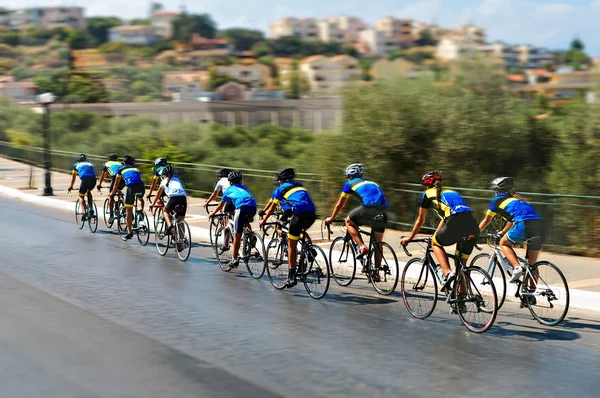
x: 523, y: 223
x: 298, y: 207
x: 87, y: 175
x: 110, y: 168
x: 130, y: 173
x: 373, y: 203
x: 172, y: 186
x: 159, y: 166
x: 245, y: 210
x: 457, y: 223
x: 222, y: 185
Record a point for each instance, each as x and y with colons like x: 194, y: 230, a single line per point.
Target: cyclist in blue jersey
x: 523, y: 223
x: 87, y: 175
x: 457, y: 223
x: 132, y: 176
x: 159, y: 166
x: 110, y: 169
x: 298, y: 207
x: 372, y: 203
x: 245, y: 210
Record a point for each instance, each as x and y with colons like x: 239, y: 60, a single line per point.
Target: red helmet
x: 431, y: 177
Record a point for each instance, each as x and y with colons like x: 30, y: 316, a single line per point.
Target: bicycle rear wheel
x: 546, y: 293
x: 277, y: 264
x: 161, y: 238
x: 106, y: 214
x: 385, y: 276
x: 419, y: 288
x: 184, y: 240
x: 342, y: 261
x: 316, y: 280
x: 93, y: 217
x: 122, y: 222
x: 143, y: 228
x: 224, y: 248
x: 496, y: 271
x: 255, y: 257
x: 79, y: 215
x: 476, y: 299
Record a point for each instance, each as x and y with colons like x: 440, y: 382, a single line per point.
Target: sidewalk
x: 582, y: 273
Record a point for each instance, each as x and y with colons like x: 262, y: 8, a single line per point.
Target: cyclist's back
x: 449, y: 203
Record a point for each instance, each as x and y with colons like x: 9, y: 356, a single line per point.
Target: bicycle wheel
x: 419, y: 288
x: 212, y: 229
x: 106, y: 214
x: 316, y: 280
x: 156, y: 214
x: 476, y: 299
x: 342, y: 261
x: 546, y: 293
x: 143, y: 228
x: 122, y: 222
x: 268, y: 232
x: 224, y: 248
x: 277, y: 264
x: 184, y: 240
x: 496, y: 271
x: 93, y: 217
x: 79, y: 215
x: 255, y: 257
x: 161, y: 238
x: 385, y: 277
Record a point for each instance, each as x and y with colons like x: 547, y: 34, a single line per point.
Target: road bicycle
x: 379, y: 265
x: 90, y: 215
x: 217, y: 222
x: 472, y: 294
x: 312, y: 268
x: 177, y: 235
x: 543, y: 288
x: 252, y: 249
x: 118, y: 202
x: 139, y: 224
x: 157, y: 213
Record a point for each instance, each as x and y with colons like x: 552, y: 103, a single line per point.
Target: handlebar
x: 418, y: 240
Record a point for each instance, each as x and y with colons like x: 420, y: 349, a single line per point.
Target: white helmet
x: 355, y: 169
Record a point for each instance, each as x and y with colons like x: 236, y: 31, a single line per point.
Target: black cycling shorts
x: 456, y: 229
x: 175, y: 201
x: 286, y: 215
x: 244, y: 215
x: 87, y: 184
x: 112, y: 184
x: 299, y: 223
x: 229, y: 207
x: 131, y: 191
x: 364, y: 216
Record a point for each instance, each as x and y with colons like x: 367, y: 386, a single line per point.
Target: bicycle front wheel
x: 184, y: 240
x: 122, y: 222
x: 79, y: 215
x: 419, y: 288
x: 106, y: 214
x: 143, y: 228
x: 475, y: 299
x: 277, y: 264
x: 384, y: 269
x: 316, y: 280
x: 93, y: 217
x: 255, y: 257
x: 224, y: 248
x: 342, y: 261
x: 212, y: 230
x: 496, y: 272
x: 546, y: 293
x: 161, y: 238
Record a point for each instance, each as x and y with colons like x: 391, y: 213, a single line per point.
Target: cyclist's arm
x: 158, y: 195
x: 152, y: 186
x: 116, y: 186
x: 507, y: 228
x: 101, y: 179
x: 486, y: 221
x: 339, y: 206
x: 73, y: 176
x: 212, y: 197
x: 269, y: 209
x: 419, y: 223
x: 218, y: 209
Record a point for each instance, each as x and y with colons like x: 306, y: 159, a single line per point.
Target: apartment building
x: 564, y: 86
x: 254, y: 75
x: 470, y: 33
x: 44, y: 17
x: 533, y: 58
x: 303, y: 28
x: 19, y: 91
x: 349, y: 26
x: 134, y: 34
x: 400, y: 29
x: 342, y: 29
x: 330, y: 30
x: 377, y: 43
x: 184, y: 85
x: 327, y: 75
x: 162, y: 22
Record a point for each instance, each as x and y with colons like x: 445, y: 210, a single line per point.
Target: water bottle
x: 506, y: 265
x: 440, y: 272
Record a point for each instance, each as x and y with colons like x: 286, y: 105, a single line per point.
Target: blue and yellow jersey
x: 293, y: 196
x: 131, y: 174
x: 450, y: 203
x: 112, y: 167
x: 367, y: 192
x: 158, y: 172
x: 84, y: 169
x: 239, y: 196
x: 512, y: 209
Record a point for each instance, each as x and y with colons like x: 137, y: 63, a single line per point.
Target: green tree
x: 140, y: 21
x: 79, y: 39
x: 261, y: 49
x: 243, y: 39
x: 155, y: 7
x: 425, y: 39
x: 577, y: 44
x: 186, y: 25
x: 99, y: 27
x: 350, y: 50
x: 295, y: 82
x: 114, y: 51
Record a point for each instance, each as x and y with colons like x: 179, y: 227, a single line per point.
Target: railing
x: 572, y: 221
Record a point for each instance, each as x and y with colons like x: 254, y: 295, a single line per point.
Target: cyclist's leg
x: 298, y: 224
x: 167, y: 208
x: 534, y: 230
x: 378, y: 231
x: 355, y: 219
x: 441, y: 238
x: 514, y: 236
x: 82, y: 193
x: 238, y: 227
x: 111, y: 198
x: 129, y: 200
x: 181, y: 209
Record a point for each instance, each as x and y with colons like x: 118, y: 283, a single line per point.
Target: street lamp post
x: 46, y: 100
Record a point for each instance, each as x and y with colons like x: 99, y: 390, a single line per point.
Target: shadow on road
x: 507, y: 329
x: 587, y: 325
x: 349, y: 298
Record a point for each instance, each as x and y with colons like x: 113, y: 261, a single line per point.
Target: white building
x: 303, y: 28
x: 134, y: 34
x: 342, y: 29
x: 349, y: 26
x: 162, y: 22
x: 377, y: 43
x: 328, y: 75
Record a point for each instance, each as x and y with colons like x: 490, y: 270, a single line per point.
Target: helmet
x: 502, y: 184
x: 112, y: 156
x: 355, y: 169
x: 224, y: 173
x: 82, y: 158
x: 160, y: 162
x: 128, y: 159
x: 431, y: 177
x: 168, y: 171
x: 286, y: 174
x: 235, y: 177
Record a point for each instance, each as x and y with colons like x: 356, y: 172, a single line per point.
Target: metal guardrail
x: 572, y: 221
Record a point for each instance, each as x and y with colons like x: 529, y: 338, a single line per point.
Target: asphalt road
x: 91, y: 316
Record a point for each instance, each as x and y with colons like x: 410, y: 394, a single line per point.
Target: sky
x: 548, y: 23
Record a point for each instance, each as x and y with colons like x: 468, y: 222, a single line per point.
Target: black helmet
x: 235, y: 177
x: 82, y: 158
x: 286, y: 174
x: 160, y: 162
x: 128, y: 159
x: 112, y: 156
x: 502, y: 184
x: 224, y: 173
x: 431, y: 177
x: 168, y: 171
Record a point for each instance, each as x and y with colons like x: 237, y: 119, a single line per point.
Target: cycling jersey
x: 174, y: 188
x: 367, y: 192
x: 450, y: 203
x: 131, y: 174
x: 512, y: 209
x: 293, y: 196
x: 111, y: 167
x: 239, y: 196
x: 84, y: 169
x: 222, y: 184
x: 158, y: 172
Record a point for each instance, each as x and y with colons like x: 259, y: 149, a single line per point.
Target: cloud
x: 595, y: 4
x: 555, y: 9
